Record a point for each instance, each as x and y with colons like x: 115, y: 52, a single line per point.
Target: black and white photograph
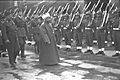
x: 59, y: 39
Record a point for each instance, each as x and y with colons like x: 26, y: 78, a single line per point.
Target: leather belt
x: 64, y: 28
x: 55, y: 29
x: 88, y: 28
x: 99, y: 28
x: 116, y: 29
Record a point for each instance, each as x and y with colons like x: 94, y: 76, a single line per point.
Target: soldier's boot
x: 89, y: 51
x: 101, y: 52
x: 117, y: 54
x: 79, y: 49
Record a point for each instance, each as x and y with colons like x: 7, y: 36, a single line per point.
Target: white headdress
x: 46, y: 15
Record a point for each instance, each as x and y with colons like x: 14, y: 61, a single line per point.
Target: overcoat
x: 9, y: 33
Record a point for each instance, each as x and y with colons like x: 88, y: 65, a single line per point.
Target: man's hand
x: 47, y: 42
x: 7, y: 41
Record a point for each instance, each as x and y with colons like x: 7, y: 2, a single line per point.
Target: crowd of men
x: 15, y: 29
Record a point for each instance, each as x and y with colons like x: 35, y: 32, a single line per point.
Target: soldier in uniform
x: 78, y: 33
x: 1, y: 41
x: 89, y: 32
x: 9, y: 33
x: 116, y: 33
x: 57, y: 31
x: 35, y: 25
x: 100, y: 32
x: 3, y: 52
x: 67, y: 31
x: 22, y: 32
x: 109, y: 31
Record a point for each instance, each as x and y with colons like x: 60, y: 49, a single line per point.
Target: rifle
x: 42, y: 8
x: 67, y: 8
x: 77, y: 8
x: 53, y: 11
x: 72, y: 17
x: 58, y: 9
x: 25, y: 11
x: 108, y: 13
x: 28, y: 14
x: 49, y: 9
x: 100, y: 8
x: 105, y: 14
x: 34, y: 11
x: 83, y: 14
x: 15, y: 12
x: 93, y: 10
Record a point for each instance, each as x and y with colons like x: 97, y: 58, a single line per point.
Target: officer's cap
x: 7, y: 13
x: 77, y: 15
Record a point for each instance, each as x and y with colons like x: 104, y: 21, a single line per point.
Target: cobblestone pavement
x: 73, y: 66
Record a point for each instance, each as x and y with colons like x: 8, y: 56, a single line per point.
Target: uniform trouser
x: 72, y: 34
x: 106, y: 35
x: 62, y: 33
x: 12, y: 52
x: 94, y: 35
x: 111, y: 35
x: 67, y: 35
x: 37, y: 50
x: 58, y: 36
x: 116, y: 34
x: 2, y: 45
x: 100, y: 35
x: 89, y: 37
x: 22, y: 45
x: 78, y: 36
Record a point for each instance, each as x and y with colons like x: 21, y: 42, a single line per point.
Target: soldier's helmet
x: 99, y: 15
x: 7, y: 13
x: 116, y: 13
x: 65, y: 17
x: 88, y: 15
x: 77, y: 16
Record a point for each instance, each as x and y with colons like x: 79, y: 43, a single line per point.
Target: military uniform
x: 57, y: 31
x: 36, y: 33
x: 109, y: 32
x: 9, y: 32
x: 78, y: 33
x: 1, y: 41
x: 67, y: 30
x: 89, y: 32
x: 100, y: 32
x: 116, y: 33
x: 22, y: 33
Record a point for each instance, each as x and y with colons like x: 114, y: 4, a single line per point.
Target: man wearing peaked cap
x: 9, y: 32
x: 48, y: 49
x: 22, y: 32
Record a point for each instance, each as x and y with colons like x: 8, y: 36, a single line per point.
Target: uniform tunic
x: 9, y: 33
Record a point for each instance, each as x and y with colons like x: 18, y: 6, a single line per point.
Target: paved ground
x: 73, y: 66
